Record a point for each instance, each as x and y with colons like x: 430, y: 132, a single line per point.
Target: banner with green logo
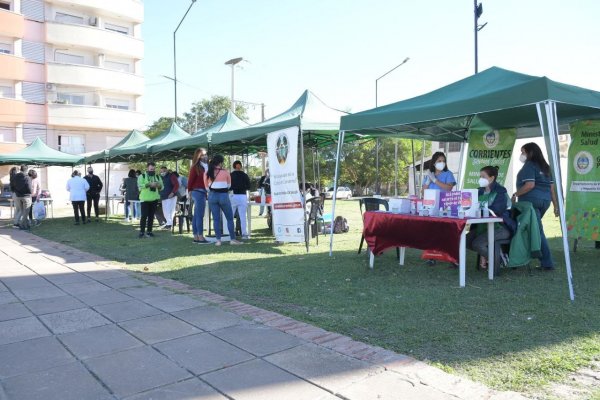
x: 488, y: 148
x: 583, y: 181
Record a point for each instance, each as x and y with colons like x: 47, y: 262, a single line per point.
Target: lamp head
x: 234, y: 61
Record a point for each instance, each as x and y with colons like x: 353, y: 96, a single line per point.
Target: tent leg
x: 461, y: 167
x: 335, y: 184
x: 412, y: 146
x: 549, y: 124
x: 314, y: 167
x: 422, y: 166
x: 318, y: 171
x: 303, y: 194
x: 107, y: 190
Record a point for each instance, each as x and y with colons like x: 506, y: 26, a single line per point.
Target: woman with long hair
x: 197, y: 190
x: 535, y: 185
x: 439, y: 177
x: 132, y: 194
x: 218, y: 182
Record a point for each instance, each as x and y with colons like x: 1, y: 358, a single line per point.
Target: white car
x: 343, y: 192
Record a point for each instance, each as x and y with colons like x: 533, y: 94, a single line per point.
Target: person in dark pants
x: 77, y: 187
x: 93, y: 195
x: 150, y: 186
x: 535, y: 185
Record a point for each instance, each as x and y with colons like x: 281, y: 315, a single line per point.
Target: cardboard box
x: 399, y: 205
x: 431, y: 201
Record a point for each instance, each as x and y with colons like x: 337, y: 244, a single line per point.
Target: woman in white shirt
x: 77, y: 187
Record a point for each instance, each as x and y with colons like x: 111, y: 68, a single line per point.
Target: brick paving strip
x: 74, y: 326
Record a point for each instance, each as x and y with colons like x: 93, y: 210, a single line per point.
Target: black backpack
x: 340, y: 225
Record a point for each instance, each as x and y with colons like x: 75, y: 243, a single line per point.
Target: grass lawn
x: 518, y: 332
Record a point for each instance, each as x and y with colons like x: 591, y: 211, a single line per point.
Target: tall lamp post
x: 233, y: 63
x: 175, y: 56
x: 477, y: 11
x: 378, y: 183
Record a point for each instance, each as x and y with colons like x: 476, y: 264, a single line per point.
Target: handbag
x: 38, y: 211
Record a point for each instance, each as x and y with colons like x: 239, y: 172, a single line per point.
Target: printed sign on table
x: 288, y: 212
x: 454, y: 199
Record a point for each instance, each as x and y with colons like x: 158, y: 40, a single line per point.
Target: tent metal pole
x: 412, y: 146
x: 318, y: 171
x: 303, y: 194
x: 548, y: 119
x: 422, y: 166
x: 461, y: 160
x: 335, y: 184
x: 106, y: 189
x: 314, y: 166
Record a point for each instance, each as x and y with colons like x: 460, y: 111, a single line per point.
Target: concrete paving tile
x: 258, y: 379
x: 133, y: 371
x: 133, y: 309
x: 174, y: 302
x: 7, y: 297
x: 146, y: 292
x: 103, y: 297
x: 31, y: 356
x: 82, y: 288
x: 121, y: 283
x: 323, y: 367
x: 159, y: 328
x: 103, y: 274
x: 202, y: 353
x: 3, y: 288
x: 193, y: 389
x: 209, y: 318
x: 73, y: 320
x: 21, y: 329
x: 13, y: 311
x: 24, y: 282
x: 68, y: 277
x: 258, y: 339
x: 99, y: 341
x: 54, y: 305
x: 66, y: 382
x: 392, y: 386
x: 44, y: 292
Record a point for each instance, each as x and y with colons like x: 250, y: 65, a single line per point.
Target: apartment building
x: 70, y: 74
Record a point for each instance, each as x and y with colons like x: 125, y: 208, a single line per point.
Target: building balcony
x: 12, y: 67
x: 101, y: 40
x: 12, y: 110
x: 94, y: 117
x: 94, y: 77
x: 11, y: 24
x: 131, y: 10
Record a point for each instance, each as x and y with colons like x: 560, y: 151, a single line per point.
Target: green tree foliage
x: 207, y: 112
x: 158, y: 127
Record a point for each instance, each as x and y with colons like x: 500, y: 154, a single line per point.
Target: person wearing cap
x: 93, y: 194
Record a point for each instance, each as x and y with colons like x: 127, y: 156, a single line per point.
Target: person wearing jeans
x: 218, y: 182
x: 77, y: 188
x: 132, y: 193
x: 168, y: 195
x: 150, y: 186
x: 197, y: 190
x: 240, y: 184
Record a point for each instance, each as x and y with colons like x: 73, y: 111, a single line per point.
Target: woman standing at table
x: 496, y: 196
x: 197, y: 189
x: 535, y: 185
x: 438, y: 176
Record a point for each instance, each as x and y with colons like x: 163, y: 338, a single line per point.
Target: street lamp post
x: 477, y: 11
x: 175, y: 56
x: 378, y: 183
x: 233, y: 63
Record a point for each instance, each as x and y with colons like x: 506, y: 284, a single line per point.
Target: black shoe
x: 142, y: 235
x: 167, y: 227
x: 150, y: 234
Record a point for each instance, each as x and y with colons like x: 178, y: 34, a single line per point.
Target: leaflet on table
x: 467, y: 199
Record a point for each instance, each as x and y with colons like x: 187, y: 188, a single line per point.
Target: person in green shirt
x: 150, y: 186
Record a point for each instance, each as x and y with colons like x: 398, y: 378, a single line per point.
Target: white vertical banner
x: 288, y: 213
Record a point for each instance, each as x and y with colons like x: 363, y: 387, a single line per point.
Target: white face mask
x: 483, y: 182
x: 440, y: 166
x: 522, y: 158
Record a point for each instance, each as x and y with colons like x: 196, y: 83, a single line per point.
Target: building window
x: 71, y: 144
x: 34, y: 92
x: 453, y: 147
x: 34, y: 51
x: 117, y: 28
x: 116, y: 103
x: 5, y: 48
x: 5, y: 6
x: 65, y: 98
x: 117, y: 66
x: 68, y: 18
x: 69, y: 58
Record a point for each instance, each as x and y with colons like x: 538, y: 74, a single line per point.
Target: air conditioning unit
x: 93, y: 21
x: 50, y: 86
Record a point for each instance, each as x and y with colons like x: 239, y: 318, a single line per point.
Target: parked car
x: 6, y: 194
x: 343, y: 192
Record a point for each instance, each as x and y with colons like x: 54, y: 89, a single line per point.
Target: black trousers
x: 95, y: 198
x: 78, y: 207
x: 147, y: 218
x: 33, y: 200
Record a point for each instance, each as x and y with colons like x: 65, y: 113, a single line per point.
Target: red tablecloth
x: 383, y: 230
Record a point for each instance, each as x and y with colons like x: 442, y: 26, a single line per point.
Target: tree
x: 207, y: 112
x: 158, y: 127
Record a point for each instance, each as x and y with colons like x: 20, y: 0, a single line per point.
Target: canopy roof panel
x: 493, y: 99
x: 142, y: 150
x: 132, y: 139
x: 38, y: 153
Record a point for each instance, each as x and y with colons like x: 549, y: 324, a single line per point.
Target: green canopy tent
x: 38, y: 153
x: 493, y: 99
x: 142, y: 151
x: 133, y: 138
x: 202, y: 138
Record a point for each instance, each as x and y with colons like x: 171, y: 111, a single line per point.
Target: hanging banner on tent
x: 288, y: 212
x: 583, y: 181
x: 488, y: 148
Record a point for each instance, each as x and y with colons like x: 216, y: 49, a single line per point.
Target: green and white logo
x: 491, y: 139
x: 583, y: 162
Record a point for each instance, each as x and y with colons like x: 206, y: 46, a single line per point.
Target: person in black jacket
x: 240, y: 184
x: 21, y: 184
x: 93, y: 195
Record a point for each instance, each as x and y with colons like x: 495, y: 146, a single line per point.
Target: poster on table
x: 583, y: 181
x: 488, y: 148
x: 288, y: 212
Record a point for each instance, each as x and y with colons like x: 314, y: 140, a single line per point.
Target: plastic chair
x: 315, y: 216
x: 183, y: 214
x: 373, y: 204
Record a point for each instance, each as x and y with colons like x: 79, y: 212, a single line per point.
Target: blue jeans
x: 199, y: 207
x: 541, y: 206
x: 220, y: 202
x: 134, y: 209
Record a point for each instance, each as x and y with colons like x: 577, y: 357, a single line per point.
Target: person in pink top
x: 36, y: 190
x: 218, y: 182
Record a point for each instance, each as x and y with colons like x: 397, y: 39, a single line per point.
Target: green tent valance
x: 39, y: 153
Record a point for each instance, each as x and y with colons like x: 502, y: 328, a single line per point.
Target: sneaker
x: 218, y: 243
x: 167, y: 227
x: 150, y: 234
x: 16, y: 226
x: 235, y: 242
x: 245, y: 237
x: 203, y: 241
x: 142, y: 235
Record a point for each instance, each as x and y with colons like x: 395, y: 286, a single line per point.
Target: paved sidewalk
x: 74, y: 327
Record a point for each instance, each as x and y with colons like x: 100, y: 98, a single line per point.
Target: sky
x: 338, y: 48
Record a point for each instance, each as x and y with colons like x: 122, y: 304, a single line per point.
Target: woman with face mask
x: 535, y: 185
x: 496, y: 196
x: 439, y: 177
